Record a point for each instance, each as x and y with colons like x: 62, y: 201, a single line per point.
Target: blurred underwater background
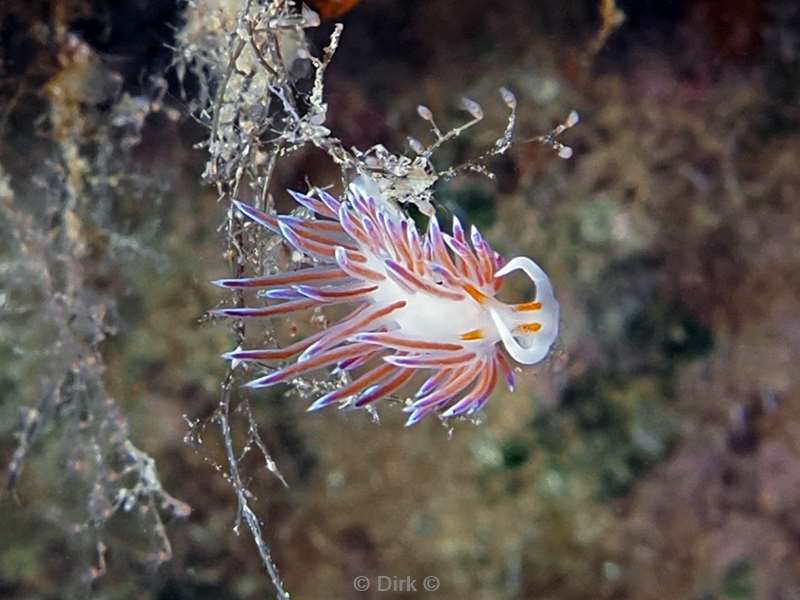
x: 654, y: 455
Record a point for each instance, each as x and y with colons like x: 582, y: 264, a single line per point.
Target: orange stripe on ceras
x: 475, y: 334
x: 529, y: 327
x: 364, y: 381
x: 400, y: 342
x: 526, y: 306
x: 476, y: 294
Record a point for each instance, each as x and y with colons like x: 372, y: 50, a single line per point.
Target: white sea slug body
x: 422, y: 302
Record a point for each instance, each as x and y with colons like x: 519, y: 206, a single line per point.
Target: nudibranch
x: 421, y: 303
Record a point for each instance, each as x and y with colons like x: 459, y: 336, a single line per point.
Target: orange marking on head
x: 476, y: 294
x: 529, y: 327
x: 475, y: 334
x: 526, y: 306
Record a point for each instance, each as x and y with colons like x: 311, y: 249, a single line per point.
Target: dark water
x: 654, y: 454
